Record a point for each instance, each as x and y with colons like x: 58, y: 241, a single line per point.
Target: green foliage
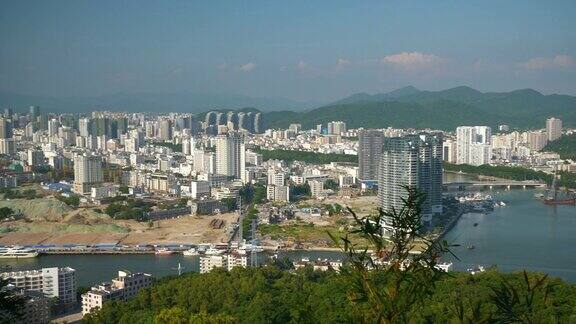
x: 310, y: 157
x: 253, y: 194
x: 565, y: 146
x: 123, y: 190
x: 129, y: 209
x: 6, y: 212
x: 230, y: 203
x: 271, y: 295
x: 252, y: 214
x: 11, y: 304
x: 72, y: 201
x: 300, y: 192
x: 15, y: 194
x: 387, y: 284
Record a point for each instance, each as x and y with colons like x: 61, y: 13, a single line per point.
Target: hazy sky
x: 305, y: 50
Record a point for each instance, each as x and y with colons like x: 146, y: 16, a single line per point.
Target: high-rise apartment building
x: 369, y: 150
x: 165, y: 130
x: 34, y: 112
x: 5, y: 128
x: 553, y: 128
x: 87, y: 173
x: 230, y: 155
x: 474, y: 145
x: 53, y: 125
x: 537, y: 140
x: 84, y: 127
x: 336, y: 127
x: 411, y: 161
x: 449, y: 150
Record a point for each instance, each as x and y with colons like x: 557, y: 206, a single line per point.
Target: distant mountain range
x: 446, y: 109
x: 406, y: 107
x: 150, y: 102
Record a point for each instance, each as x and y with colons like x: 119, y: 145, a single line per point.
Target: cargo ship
x: 554, y: 199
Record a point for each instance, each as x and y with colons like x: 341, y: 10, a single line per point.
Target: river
x: 525, y: 234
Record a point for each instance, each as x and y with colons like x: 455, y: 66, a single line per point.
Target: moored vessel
x: 163, y: 251
x: 17, y: 253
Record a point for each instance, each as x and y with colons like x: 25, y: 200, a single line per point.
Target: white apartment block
x: 474, y: 145
x: 316, y: 188
x: 228, y: 261
x: 553, y: 128
x: 87, y: 173
x: 278, y: 193
x: 126, y: 286
x: 52, y: 282
x: 230, y: 155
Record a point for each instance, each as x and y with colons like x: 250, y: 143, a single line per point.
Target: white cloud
x: 248, y: 67
x: 412, y: 60
x: 539, y: 63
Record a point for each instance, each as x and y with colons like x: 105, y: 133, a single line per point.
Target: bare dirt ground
x: 183, y: 230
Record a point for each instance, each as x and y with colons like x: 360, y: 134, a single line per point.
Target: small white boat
x: 476, y: 270
x: 213, y: 251
x: 17, y: 253
x: 163, y: 251
x: 191, y: 252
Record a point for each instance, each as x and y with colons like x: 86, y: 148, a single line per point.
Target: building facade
x: 411, y: 161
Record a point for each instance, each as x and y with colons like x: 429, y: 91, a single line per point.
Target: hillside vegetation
x: 565, y: 146
x: 447, y: 109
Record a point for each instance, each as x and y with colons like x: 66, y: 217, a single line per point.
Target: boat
x: 475, y: 224
x: 191, y: 252
x: 163, y: 251
x: 17, y: 253
x: 470, y: 247
x: 553, y: 199
x: 213, y: 251
x: 476, y: 270
x: 444, y: 266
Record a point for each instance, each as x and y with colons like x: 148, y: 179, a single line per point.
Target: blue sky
x: 304, y: 50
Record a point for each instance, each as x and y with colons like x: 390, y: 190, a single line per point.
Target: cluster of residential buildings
x: 43, y: 290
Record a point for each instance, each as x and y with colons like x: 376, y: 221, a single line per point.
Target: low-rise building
x: 126, y: 286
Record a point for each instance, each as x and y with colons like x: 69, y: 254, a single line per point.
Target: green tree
x: 387, y: 284
x: 11, y: 304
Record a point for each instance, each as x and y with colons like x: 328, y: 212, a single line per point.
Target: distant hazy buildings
x: 474, y: 145
x: 413, y: 161
x: 369, y: 151
x: 5, y: 128
x: 553, y: 128
x: 248, y: 121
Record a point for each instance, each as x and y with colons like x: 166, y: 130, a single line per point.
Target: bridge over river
x: 508, y: 184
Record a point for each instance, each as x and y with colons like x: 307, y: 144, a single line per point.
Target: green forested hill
x: 409, y: 107
x: 269, y: 295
